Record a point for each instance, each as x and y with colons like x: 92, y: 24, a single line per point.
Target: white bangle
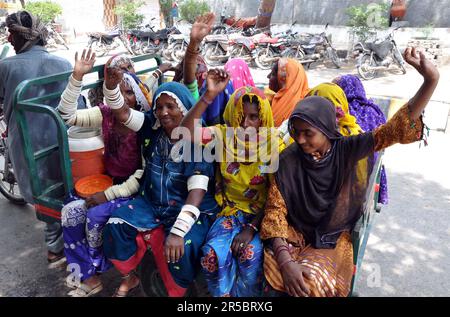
x: 192, y: 209
x: 181, y: 227
x: 114, y: 98
x: 135, y: 120
x: 185, y: 221
x: 198, y: 182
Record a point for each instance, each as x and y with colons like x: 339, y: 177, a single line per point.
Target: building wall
x: 419, y: 14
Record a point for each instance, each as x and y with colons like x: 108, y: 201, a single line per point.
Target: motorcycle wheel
x: 178, y: 52
x: 99, y: 48
x: 295, y: 54
x: 402, y: 68
x: 166, y: 54
x: 399, y: 60
x: 261, y: 59
x: 365, y: 62
x: 241, y: 51
x: 147, y: 48
x: 332, y: 54
x: 213, y: 50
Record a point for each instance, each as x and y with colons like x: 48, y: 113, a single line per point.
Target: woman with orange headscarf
x: 289, y: 82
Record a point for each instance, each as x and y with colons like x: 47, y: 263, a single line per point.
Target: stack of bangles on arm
x: 186, y: 219
x: 115, y: 101
x: 278, y: 251
x: 157, y: 73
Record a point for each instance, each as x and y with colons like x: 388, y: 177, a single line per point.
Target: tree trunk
x: 22, y: 2
x: 266, y: 8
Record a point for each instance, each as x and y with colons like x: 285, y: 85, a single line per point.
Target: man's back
x: 36, y: 62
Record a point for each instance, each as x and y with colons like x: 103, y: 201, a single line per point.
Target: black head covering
x: 311, y: 188
x: 318, y: 112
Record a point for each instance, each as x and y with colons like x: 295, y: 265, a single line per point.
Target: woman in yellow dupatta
x: 233, y: 252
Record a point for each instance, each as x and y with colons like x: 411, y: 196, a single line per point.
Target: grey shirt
x: 35, y: 62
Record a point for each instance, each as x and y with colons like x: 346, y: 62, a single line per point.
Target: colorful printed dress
x: 241, y: 191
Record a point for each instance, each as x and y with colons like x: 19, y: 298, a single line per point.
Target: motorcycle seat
x: 274, y: 40
x: 108, y: 36
x: 381, y: 49
x: 146, y: 34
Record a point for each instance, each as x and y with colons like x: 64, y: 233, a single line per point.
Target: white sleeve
x: 67, y: 108
x: 198, y: 182
x: 126, y: 189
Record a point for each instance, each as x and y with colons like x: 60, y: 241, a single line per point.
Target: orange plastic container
x: 90, y: 185
x: 86, y: 150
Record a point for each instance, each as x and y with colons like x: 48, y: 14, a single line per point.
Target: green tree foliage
x: 47, y: 11
x: 191, y: 9
x: 128, y: 14
x: 365, y: 20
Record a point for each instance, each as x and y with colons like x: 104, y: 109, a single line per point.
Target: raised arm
x: 216, y: 82
x: 68, y: 104
x: 431, y: 78
x: 200, y: 29
x: 130, y: 118
x: 406, y: 125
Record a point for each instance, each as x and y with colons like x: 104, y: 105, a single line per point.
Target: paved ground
x: 408, y: 252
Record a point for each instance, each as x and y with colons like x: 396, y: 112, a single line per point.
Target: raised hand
x: 424, y: 66
x: 113, y: 75
x: 164, y: 67
x: 83, y: 65
x: 216, y: 82
x: 202, y: 26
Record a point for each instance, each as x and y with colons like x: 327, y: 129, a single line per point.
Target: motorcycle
x: 229, y: 24
x: 216, y: 49
x: 3, y: 33
x: 311, y: 48
x: 243, y: 48
x: 54, y: 39
x: 157, y: 43
x: 271, y: 49
x: 378, y: 55
x: 178, y: 44
x: 103, y: 43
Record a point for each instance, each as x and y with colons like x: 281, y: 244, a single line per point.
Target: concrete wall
x: 419, y: 14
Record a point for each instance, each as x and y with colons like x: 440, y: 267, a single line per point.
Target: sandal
x: 86, y: 291
x: 55, y: 260
x: 119, y: 293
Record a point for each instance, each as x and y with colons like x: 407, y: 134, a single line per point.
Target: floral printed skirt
x: 228, y: 276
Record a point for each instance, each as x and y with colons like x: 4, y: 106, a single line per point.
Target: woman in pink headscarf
x: 240, y: 73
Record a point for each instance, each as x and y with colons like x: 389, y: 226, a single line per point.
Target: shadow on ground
x: 408, y: 252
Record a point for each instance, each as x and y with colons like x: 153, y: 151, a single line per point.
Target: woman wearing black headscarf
x: 313, y: 205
